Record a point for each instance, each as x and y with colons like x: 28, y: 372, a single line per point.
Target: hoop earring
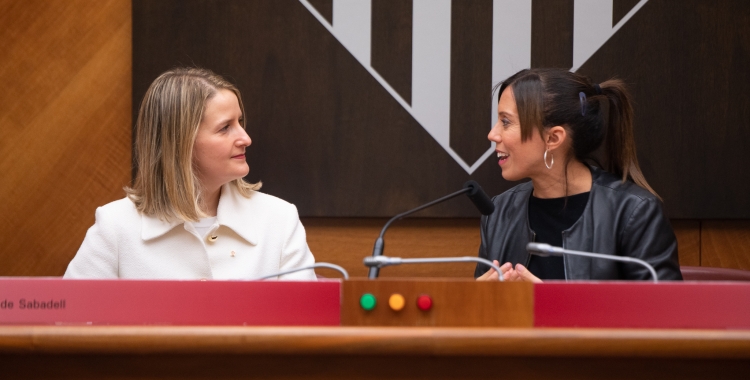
x: 552, y: 157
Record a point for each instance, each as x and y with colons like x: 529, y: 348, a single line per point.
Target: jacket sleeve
x: 649, y: 236
x: 97, y: 258
x: 482, y: 268
x: 296, y: 253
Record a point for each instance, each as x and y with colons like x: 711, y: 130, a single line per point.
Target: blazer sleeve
x: 97, y: 258
x: 296, y: 253
x: 482, y: 268
x: 648, y: 236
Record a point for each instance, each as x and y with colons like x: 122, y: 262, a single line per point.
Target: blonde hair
x: 166, y: 185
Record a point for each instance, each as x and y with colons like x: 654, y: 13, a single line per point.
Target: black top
x: 620, y: 218
x: 548, y: 218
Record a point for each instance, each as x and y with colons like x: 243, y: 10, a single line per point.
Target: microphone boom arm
x: 316, y: 265
x: 380, y: 244
x: 420, y: 208
x: 542, y: 249
x: 384, y: 261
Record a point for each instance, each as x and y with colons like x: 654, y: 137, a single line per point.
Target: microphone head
x: 538, y: 249
x: 480, y: 199
x: 371, y: 262
x: 381, y: 261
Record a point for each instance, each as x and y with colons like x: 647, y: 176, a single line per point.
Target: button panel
x: 437, y: 302
x: 396, y: 302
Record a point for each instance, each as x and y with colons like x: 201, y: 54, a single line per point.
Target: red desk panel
x: 130, y: 302
x: 271, y: 303
x: 693, y: 305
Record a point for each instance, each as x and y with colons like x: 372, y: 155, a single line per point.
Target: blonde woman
x: 189, y: 214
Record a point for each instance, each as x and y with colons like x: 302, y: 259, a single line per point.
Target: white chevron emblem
x: 431, y: 51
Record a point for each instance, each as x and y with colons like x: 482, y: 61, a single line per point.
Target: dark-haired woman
x: 550, y: 121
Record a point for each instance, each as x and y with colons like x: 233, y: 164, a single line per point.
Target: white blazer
x: 251, y: 237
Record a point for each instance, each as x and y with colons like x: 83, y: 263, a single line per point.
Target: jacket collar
x: 236, y: 212
x: 233, y: 213
x: 152, y: 227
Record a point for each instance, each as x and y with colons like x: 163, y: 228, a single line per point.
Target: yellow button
x: 396, y: 302
x: 212, y: 238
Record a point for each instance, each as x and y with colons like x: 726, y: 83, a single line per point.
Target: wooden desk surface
x: 369, y: 352
x: 409, y: 341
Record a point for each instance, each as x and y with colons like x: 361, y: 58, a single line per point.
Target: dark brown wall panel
x: 620, y: 8
x: 391, y: 43
x: 326, y: 136
x: 325, y: 7
x: 552, y: 33
x: 686, y: 64
x: 471, y: 72
x: 329, y: 138
x: 64, y: 126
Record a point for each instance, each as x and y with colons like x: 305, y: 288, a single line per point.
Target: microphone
x: 480, y: 199
x: 544, y: 250
x: 384, y: 261
x: 475, y: 193
x: 316, y: 265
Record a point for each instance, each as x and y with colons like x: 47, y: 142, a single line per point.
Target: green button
x: 367, y: 301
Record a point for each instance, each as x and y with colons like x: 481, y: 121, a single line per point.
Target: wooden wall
x: 65, y: 123
x: 65, y: 69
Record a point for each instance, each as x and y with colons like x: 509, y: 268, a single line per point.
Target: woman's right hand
x: 491, y: 275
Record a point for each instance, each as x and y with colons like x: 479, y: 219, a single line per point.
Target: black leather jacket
x: 620, y: 219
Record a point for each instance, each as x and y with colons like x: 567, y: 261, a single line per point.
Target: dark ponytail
x: 620, y: 142
x: 592, y: 114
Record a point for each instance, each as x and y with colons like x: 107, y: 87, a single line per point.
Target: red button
x: 424, y: 302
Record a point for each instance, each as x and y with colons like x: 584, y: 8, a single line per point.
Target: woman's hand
x: 520, y: 273
x: 491, y: 275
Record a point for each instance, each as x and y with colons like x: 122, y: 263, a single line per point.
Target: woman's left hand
x: 520, y: 273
